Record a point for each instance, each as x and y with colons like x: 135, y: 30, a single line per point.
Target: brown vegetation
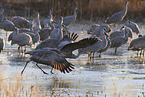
x: 87, y: 9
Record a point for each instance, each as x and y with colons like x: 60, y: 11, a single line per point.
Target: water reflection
x: 111, y: 75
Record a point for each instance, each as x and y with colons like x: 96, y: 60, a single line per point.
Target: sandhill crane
x: 2, y: 44
x: 58, y: 33
x: 67, y: 20
x: 97, y: 32
x: 22, y: 39
x: 118, y: 41
x: 21, y: 22
x: 37, y: 25
x: 137, y: 44
x: 92, y: 29
x: 46, y: 22
x: 7, y: 26
x: 45, y: 32
x: 108, y: 45
x: 120, y: 33
x: 133, y: 26
x: 56, y: 58
x: 54, y: 43
x: 100, y: 44
x: 117, y: 17
x: 34, y: 35
x: 52, y: 58
x: 66, y: 45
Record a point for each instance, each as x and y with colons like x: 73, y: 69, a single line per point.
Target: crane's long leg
x: 115, y: 50
x: 51, y: 71
x: 41, y: 69
x: 100, y: 55
x: 19, y: 50
x: 25, y: 67
x: 140, y: 53
x: 137, y: 53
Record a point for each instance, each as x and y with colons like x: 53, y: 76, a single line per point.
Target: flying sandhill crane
x: 67, y: 20
x: 56, y: 58
x: 50, y: 57
x: 117, y: 17
x: 119, y: 41
x: 133, y: 26
x: 21, y: 22
x: 22, y: 39
x: 2, y: 44
x: 137, y: 44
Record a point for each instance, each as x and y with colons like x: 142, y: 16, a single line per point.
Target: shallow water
x: 120, y: 75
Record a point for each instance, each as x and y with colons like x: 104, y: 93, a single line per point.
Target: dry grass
x: 87, y: 9
x: 13, y: 87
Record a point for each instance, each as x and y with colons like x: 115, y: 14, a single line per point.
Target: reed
x: 87, y: 9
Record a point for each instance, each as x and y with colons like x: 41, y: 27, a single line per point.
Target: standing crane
x: 117, y: 17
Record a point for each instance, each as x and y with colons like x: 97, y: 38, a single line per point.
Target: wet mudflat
x: 112, y: 75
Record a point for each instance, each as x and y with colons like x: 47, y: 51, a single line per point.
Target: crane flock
x: 56, y: 42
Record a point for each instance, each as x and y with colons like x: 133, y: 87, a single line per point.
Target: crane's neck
x: 75, y: 12
x: 125, y: 8
x: 52, y: 26
x: 38, y: 21
x: 36, y: 36
x: 50, y: 15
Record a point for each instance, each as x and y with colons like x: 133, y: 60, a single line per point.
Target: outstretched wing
x: 80, y: 44
x: 51, y: 58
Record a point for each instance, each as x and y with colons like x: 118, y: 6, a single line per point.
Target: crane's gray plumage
x: 7, y: 25
x: 54, y: 43
x: 66, y: 45
x: 117, y: 17
x: 92, y: 29
x: 137, y: 44
x: 58, y: 33
x: 34, y: 35
x: 67, y: 20
x: 21, y: 22
x: 22, y: 39
x: 46, y: 22
x: 45, y: 32
x: 37, y: 25
x: 100, y: 44
x: 2, y: 44
x: 121, y: 33
x: 119, y: 41
x: 50, y: 57
x: 97, y: 32
x: 133, y: 26
x: 56, y: 58
x: 108, y: 45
